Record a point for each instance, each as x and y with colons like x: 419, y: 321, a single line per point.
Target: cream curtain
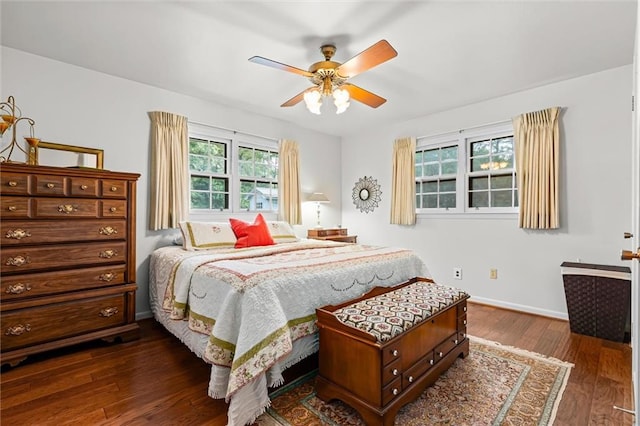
x: 537, y: 147
x: 289, y: 182
x: 169, y: 170
x: 403, y: 186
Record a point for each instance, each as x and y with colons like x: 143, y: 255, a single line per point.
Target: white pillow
x: 281, y: 232
x: 206, y: 235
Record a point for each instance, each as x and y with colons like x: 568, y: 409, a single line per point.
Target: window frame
x: 463, y: 139
x: 234, y: 141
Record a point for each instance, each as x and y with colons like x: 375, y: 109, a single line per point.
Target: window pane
x: 261, y: 156
x: 478, y: 164
x: 430, y: 201
x: 220, y: 185
x: 246, y: 186
x: 200, y: 183
x: 449, y: 168
x: 262, y: 170
x: 219, y: 201
x: 449, y: 153
x: 479, y: 148
x: 418, y: 157
x: 502, y: 145
x: 245, y: 168
x: 501, y: 182
x: 245, y: 154
x: 431, y: 169
x: 430, y: 156
x: 447, y: 200
x: 218, y: 165
x: 501, y: 198
x: 198, y: 163
x: 430, y: 186
x: 199, y: 200
x: 502, y: 161
x: 479, y: 199
x: 479, y: 183
x: 448, y: 185
x: 198, y: 146
x: 418, y: 170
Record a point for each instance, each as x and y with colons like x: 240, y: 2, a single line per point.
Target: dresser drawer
x: 14, y: 287
x: 16, y: 260
x: 40, y: 324
x: 392, y: 390
x: 84, y: 187
x: 391, y: 352
x: 48, y: 185
x: 114, y: 188
x: 14, y: 183
x: 445, y: 347
x: 65, y: 207
x: 15, y: 207
x: 24, y: 232
x: 391, y: 371
x: 114, y: 208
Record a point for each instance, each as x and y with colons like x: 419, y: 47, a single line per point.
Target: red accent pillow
x: 251, y: 235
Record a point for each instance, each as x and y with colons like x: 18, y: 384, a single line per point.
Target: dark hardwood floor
x: 157, y: 380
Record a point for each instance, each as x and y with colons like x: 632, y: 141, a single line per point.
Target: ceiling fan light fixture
x: 313, y: 100
x: 341, y: 100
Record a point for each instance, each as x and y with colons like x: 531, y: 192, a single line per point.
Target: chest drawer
x: 21, y: 232
x: 14, y: 183
x: 65, y: 207
x: 43, y: 323
x: 15, y: 207
x: 48, y: 185
x: 16, y: 260
x: 15, y: 287
x: 114, y: 188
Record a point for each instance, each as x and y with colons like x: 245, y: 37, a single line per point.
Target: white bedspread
x: 255, y: 303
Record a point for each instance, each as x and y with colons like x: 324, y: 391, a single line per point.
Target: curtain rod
x: 234, y: 131
x: 494, y: 123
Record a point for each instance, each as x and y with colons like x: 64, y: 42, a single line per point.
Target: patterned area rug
x: 494, y: 385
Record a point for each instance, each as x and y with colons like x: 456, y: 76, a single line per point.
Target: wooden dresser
x: 68, y: 258
x: 332, y: 234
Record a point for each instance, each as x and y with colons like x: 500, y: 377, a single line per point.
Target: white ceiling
x: 450, y: 53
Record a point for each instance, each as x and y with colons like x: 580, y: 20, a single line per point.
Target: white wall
x: 76, y: 106
x: 595, y: 186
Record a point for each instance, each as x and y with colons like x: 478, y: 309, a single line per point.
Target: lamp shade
x: 318, y: 197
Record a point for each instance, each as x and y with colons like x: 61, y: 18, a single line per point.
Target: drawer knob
x: 17, y: 234
x: 12, y: 183
x: 108, y: 254
x: 108, y: 312
x: 17, y: 261
x: 395, y: 372
x: 83, y: 187
x: 410, y: 379
x: 50, y: 185
x: 440, y: 354
x: 464, y: 309
x: 431, y: 362
x: 114, y: 188
x: 395, y: 391
x: 464, y: 322
x: 455, y: 341
x: 17, y: 288
x: 113, y: 209
x: 395, y: 352
x: 17, y: 330
x: 12, y: 208
x: 108, y: 230
x: 67, y: 208
x: 107, y: 276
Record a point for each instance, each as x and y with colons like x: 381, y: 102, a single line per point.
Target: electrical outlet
x: 457, y: 273
x: 493, y: 274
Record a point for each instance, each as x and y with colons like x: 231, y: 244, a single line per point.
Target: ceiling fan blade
x: 367, y: 59
x: 297, y: 98
x: 359, y: 94
x: 273, y: 64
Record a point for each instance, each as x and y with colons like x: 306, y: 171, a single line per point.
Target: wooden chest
x: 67, y: 257
x: 378, y: 377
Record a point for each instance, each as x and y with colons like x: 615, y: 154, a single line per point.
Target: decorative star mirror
x: 366, y: 194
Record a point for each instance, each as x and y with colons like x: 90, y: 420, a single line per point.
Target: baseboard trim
x: 519, y: 308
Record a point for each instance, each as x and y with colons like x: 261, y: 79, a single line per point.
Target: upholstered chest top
x: 390, y: 314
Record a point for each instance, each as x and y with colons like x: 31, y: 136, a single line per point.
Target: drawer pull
x: 395, y: 352
x: 83, y: 187
x: 18, y: 234
x: 17, y: 330
x: 455, y: 341
x: 464, y: 309
x: 17, y: 288
x: 108, y: 312
x: 108, y: 254
x: 12, y: 208
x: 67, y: 208
x: 410, y: 379
x: 430, y: 362
x: 107, y: 276
x: 464, y: 322
x: 440, y: 354
x: 50, y: 185
x: 12, y: 183
x: 17, y: 261
x: 395, y: 372
x: 114, y: 188
x: 394, y: 391
x: 108, y: 230
x: 113, y: 209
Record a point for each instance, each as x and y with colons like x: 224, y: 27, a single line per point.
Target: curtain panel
x: 537, y: 150
x: 169, y: 170
x: 403, y: 186
x: 289, y: 182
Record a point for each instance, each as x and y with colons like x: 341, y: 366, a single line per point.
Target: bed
x: 250, y: 311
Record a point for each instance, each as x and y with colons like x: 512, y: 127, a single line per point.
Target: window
x: 231, y: 172
x: 471, y: 171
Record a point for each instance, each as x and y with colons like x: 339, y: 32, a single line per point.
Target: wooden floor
x: 157, y: 381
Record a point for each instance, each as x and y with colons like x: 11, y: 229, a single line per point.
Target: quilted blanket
x: 254, y: 303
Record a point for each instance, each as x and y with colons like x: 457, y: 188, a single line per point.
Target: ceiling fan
x: 330, y: 78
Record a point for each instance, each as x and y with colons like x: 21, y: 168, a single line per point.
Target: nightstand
x: 333, y: 234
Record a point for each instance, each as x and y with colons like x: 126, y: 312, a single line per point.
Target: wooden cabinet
x: 67, y: 258
x: 332, y: 234
x: 378, y: 377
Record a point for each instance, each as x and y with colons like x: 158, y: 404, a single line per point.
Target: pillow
x: 282, y: 232
x: 251, y: 235
x: 206, y: 235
